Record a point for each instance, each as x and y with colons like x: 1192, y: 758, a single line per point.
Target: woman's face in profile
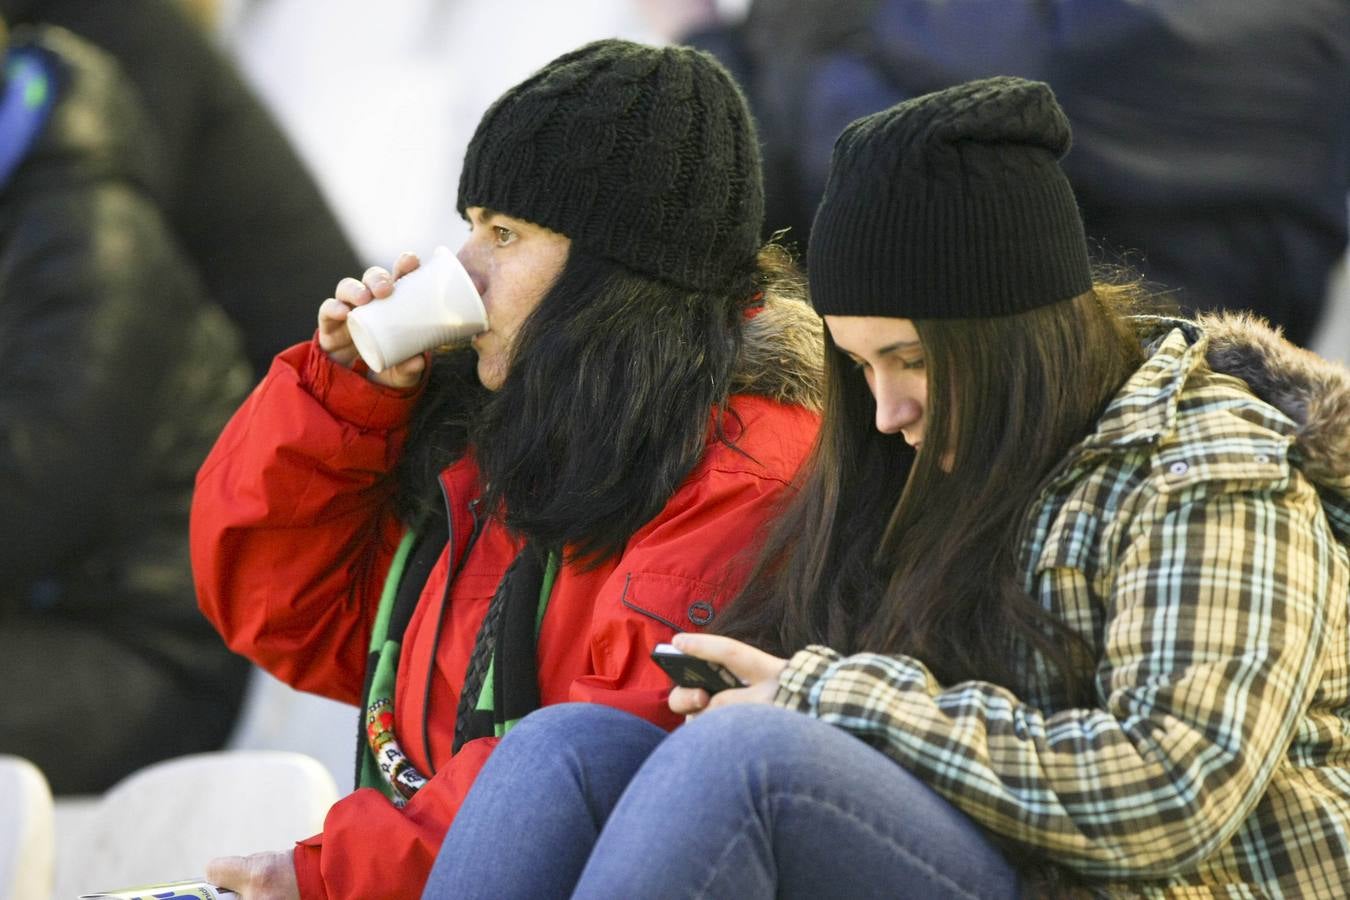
x: 891, y: 358
x: 513, y: 264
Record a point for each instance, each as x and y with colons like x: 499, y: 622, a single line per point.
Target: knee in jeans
x: 578, y: 727
x: 744, y: 731
x: 567, y: 720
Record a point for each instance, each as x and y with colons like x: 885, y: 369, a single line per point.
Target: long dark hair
x: 883, y: 550
x: 615, y: 381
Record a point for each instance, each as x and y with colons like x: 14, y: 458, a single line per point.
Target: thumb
x: 406, y: 374
x: 228, y: 872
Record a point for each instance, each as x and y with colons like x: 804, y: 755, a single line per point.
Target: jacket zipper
x: 451, y: 571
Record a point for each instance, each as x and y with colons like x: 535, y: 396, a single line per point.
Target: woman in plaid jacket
x: 1084, y: 577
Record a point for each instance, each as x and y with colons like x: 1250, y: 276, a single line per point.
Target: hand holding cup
x: 391, y: 319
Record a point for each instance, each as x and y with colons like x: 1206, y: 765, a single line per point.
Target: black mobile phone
x: 690, y: 671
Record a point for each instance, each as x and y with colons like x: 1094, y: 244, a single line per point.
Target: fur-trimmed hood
x: 782, y: 354
x: 1311, y: 391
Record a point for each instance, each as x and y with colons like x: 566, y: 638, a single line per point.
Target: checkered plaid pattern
x: 1182, y: 541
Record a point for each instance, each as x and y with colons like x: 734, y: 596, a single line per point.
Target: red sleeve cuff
x: 306, y: 857
x: 349, y: 395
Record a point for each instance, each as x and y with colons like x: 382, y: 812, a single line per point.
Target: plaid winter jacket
x: 1197, y: 541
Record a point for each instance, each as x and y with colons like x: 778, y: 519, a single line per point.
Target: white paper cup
x: 432, y: 305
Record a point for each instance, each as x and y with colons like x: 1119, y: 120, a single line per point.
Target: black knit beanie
x: 646, y: 156
x: 948, y: 206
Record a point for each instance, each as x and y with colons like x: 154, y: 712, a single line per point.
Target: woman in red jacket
x: 482, y: 546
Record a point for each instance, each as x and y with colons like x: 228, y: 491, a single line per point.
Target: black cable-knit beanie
x: 642, y: 155
x: 948, y: 206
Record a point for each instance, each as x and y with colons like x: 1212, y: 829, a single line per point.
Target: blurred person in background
x: 452, y: 542
x: 118, y: 374
x: 243, y: 207
x: 1212, y: 139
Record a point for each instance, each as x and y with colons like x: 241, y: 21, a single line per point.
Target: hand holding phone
x: 692, y: 672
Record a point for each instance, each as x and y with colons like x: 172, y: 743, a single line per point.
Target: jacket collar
x: 781, y: 354
x: 1312, y: 392
x: 1307, y: 397
x: 1144, y: 410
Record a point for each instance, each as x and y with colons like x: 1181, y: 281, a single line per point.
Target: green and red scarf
x: 501, y: 683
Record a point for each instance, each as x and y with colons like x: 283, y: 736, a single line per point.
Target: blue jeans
x: 744, y: 802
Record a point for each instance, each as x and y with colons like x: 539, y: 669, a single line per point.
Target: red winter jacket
x: 292, y: 535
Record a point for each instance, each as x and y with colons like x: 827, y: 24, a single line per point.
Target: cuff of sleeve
x: 305, y: 857
x: 796, y: 683
x: 349, y: 395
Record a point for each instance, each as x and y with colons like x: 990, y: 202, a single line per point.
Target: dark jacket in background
x: 1211, y: 138
x: 116, y: 374
x: 246, y: 210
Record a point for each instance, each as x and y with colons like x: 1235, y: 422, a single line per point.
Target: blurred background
x: 263, y: 149
x: 1210, y: 149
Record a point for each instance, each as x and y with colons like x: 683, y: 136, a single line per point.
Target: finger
x: 378, y: 281
x: 685, y: 701
x: 406, y: 262
x: 333, y: 332
x: 228, y: 872
x: 745, y: 662
x: 352, y: 292
x: 410, y: 370
x: 705, y: 646
x: 761, y: 692
x: 403, y: 375
x: 334, y: 338
x: 332, y: 311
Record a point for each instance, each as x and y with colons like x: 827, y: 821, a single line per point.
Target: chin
x: 490, y: 375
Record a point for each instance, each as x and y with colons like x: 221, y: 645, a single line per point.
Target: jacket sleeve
x: 96, y: 301
x: 1213, y: 649
x: 292, y: 527
x: 372, y: 850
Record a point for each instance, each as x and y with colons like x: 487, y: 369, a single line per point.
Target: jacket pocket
x: 676, y: 602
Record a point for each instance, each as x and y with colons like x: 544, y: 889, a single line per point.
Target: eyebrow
x: 886, y: 350
x: 493, y: 217
x: 898, y: 345
x: 486, y: 215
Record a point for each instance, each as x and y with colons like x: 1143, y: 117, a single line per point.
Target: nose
x: 470, y: 258
x: 896, y: 410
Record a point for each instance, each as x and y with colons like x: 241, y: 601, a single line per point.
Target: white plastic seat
x: 165, y: 821
x: 275, y: 716
x: 27, y: 836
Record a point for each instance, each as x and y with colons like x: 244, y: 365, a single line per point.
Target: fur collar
x: 1312, y: 391
x: 782, y: 354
